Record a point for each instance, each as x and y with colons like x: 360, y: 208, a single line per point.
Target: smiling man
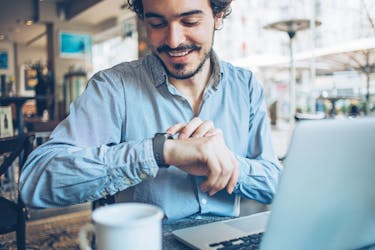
x: 186, y: 130
x: 182, y: 41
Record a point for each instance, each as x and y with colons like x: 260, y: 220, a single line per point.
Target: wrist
x: 158, y: 144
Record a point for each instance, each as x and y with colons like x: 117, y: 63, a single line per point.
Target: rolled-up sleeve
x: 86, y: 157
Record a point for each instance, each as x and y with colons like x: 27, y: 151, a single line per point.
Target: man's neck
x: 194, y: 87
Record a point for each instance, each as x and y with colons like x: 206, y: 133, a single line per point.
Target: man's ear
x: 219, y: 19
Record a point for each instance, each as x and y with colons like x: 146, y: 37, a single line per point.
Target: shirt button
x: 204, y: 201
x: 182, y: 99
x: 143, y: 176
x: 127, y: 181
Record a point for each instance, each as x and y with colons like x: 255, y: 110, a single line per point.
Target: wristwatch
x: 158, y: 148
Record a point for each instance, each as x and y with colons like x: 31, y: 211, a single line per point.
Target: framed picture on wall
x: 3, y: 60
x: 74, y: 45
x: 28, y: 80
x: 31, y: 79
x: 6, y: 121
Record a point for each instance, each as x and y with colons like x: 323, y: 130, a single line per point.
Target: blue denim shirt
x: 104, y: 146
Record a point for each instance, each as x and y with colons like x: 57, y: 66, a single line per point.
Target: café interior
x: 46, y: 61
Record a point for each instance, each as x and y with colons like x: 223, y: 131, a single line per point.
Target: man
x: 110, y: 141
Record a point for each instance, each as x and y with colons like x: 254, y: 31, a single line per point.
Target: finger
x: 194, y: 169
x: 175, y: 128
x: 213, y: 132
x: 189, y: 129
x: 213, y: 175
x: 203, y: 129
x: 219, y: 185
x: 227, y: 165
x: 225, y: 174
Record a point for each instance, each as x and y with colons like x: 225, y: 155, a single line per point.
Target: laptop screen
x: 326, y: 197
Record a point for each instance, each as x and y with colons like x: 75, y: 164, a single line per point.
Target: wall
x: 62, y: 65
x: 49, y: 14
x: 27, y: 56
x: 33, y: 55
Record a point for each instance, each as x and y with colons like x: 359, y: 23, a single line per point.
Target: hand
x: 195, y: 128
x: 205, y: 156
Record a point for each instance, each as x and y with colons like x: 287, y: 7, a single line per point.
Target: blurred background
x: 315, y: 58
x: 334, y: 61
x: 334, y: 54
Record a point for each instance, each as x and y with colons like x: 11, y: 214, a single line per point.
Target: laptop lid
x: 326, y: 197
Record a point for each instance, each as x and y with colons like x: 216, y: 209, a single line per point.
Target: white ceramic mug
x: 135, y: 226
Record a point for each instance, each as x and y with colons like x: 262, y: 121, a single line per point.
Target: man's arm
x: 84, y: 159
x: 254, y: 176
x: 259, y: 169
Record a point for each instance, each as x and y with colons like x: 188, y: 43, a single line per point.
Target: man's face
x: 180, y: 33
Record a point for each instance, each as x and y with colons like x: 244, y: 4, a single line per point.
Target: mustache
x: 166, y: 48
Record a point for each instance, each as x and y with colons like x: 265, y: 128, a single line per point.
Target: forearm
x: 60, y: 174
x: 258, y: 179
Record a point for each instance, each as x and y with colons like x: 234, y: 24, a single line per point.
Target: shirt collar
x: 157, y: 69
x: 160, y: 76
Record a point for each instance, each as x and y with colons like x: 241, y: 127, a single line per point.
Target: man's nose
x: 175, y: 36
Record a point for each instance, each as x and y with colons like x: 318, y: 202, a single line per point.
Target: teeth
x: 178, y: 53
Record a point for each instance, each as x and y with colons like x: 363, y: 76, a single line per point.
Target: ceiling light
x: 29, y: 22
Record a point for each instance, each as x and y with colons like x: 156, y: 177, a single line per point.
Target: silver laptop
x: 325, y: 199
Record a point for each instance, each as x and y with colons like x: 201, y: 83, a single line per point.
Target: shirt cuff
x: 245, y: 172
x: 149, y: 153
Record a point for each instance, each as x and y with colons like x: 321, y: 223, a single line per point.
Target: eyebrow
x: 188, y: 13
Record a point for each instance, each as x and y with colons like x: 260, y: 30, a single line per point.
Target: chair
x: 13, y: 213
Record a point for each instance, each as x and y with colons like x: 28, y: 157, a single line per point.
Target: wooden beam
x: 74, y: 8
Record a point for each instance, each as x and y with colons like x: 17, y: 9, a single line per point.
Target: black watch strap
x: 158, y: 148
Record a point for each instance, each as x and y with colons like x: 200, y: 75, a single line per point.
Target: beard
x: 179, y: 69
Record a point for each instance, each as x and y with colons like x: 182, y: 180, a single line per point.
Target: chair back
x: 16, y: 146
x: 13, y: 212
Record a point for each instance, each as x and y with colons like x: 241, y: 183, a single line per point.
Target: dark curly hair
x: 216, y: 5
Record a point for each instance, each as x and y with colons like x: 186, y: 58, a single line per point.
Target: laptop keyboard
x: 250, y: 242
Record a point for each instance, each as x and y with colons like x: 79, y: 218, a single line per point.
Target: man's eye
x: 157, y: 25
x: 190, y: 22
